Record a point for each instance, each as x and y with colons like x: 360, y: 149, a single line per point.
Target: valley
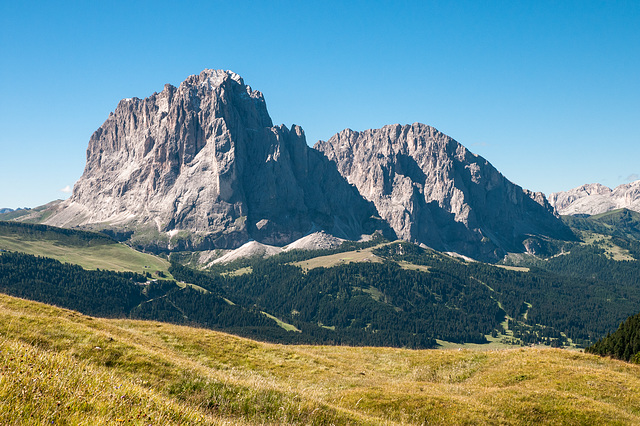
x: 212, y: 267
x: 132, y: 369
x: 379, y: 292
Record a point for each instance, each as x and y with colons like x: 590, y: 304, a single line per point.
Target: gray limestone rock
x: 595, y: 198
x: 432, y: 190
x: 201, y: 166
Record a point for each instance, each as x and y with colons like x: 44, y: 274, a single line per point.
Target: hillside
x: 61, y: 366
x: 36, y: 214
x: 623, y: 344
x: 88, y: 249
x: 622, y: 223
x: 370, y: 293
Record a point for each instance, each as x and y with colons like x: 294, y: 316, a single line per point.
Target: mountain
x: 201, y: 166
x: 594, y: 198
x: 5, y: 210
x: 432, y: 190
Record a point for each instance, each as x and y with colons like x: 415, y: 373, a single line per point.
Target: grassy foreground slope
x: 63, y: 367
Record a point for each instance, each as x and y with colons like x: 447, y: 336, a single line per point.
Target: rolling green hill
x: 87, y: 249
x: 62, y: 367
x: 617, y: 223
x: 34, y: 215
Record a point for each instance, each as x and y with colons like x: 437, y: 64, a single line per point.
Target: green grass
x: 115, y: 257
x: 285, y: 325
x: 605, y: 242
x: 365, y: 255
x: 193, y: 286
x: 61, y: 366
x: 37, y: 214
x: 239, y: 271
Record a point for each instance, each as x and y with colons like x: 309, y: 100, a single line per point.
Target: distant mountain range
x: 202, y: 166
x: 7, y: 210
x: 592, y: 199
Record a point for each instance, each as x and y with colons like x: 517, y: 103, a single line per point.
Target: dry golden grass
x: 179, y: 375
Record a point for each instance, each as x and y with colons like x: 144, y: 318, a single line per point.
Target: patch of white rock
x: 594, y: 198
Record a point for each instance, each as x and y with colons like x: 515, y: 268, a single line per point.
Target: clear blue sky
x: 547, y: 91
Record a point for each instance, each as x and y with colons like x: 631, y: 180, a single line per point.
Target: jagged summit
x: 201, y: 166
x: 595, y: 198
x: 204, y: 159
x: 432, y: 190
x: 214, y: 78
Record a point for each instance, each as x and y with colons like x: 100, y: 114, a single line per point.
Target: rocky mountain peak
x: 432, y: 190
x: 595, y: 198
x: 201, y: 165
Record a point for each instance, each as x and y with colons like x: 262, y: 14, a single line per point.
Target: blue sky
x: 547, y: 91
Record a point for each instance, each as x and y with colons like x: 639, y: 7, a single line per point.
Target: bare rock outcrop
x: 201, y: 166
x: 594, y: 198
x: 432, y: 190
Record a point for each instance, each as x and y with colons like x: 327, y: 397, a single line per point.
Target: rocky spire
x: 202, y: 166
x: 432, y: 190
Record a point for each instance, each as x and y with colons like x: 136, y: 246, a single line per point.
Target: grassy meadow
x: 115, y: 257
x: 61, y: 367
x: 364, y: 255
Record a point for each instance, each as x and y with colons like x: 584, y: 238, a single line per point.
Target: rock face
x: 432, y: 190
x: 201, y: 166
x: 594, y: 198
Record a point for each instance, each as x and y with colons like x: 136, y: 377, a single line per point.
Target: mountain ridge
x: 595, y: 198
x: 202, y: 167
x: 434, y: 191
x: 205, y: 158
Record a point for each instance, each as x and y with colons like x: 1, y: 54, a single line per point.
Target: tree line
x: 623, y: 344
